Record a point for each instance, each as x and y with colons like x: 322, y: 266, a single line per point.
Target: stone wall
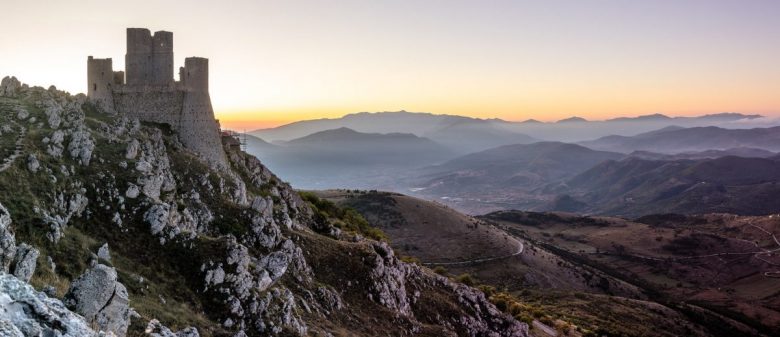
x: 153, y: 104
x: 147, y: 91
x: 188, y: 113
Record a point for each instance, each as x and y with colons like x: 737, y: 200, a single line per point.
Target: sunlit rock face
x: 26, y: 312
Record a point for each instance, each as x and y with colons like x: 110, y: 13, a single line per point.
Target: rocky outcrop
x: 9, y: 86
x: 101, y: 299
x: 25, y: 259
x: 7, y: 240
x: 388, y: 280
x: 25, y: 312
x: 81, y: 146
x: 244, y: 243
x: 104, y: 253
x: 156, y: 329
x: 65, y: 207
x: 32, y: 163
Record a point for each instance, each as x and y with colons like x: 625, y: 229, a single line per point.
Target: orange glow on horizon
x: 273, y: 63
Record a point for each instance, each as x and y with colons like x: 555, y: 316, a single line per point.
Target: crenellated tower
x: 147, y: 90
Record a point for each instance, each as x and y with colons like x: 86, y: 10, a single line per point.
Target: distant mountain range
x: 678, y: 140
x: 746, y: 152
x: 445, y: 128
x: 460, y: 134
x: 634, y: 187
x: 511, y: 171
x: 346, y: 158
x: 669, y: 169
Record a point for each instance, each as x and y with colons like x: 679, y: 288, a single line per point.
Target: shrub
x: 466, y: 279
x: 348, y: 219
x: 488, y: 290
x: 410, y: 259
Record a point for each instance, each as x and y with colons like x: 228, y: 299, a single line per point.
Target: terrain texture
x: 118, y: 222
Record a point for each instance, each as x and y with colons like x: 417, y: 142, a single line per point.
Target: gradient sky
x: 273, y: 62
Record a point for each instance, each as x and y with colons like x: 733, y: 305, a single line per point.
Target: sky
x: 274, y: 62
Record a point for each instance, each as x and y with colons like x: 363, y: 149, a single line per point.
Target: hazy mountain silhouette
x: 691, y: 139
x: 466, y: 136
x: 427, y: 125
x: 460, y: 134
x: 521, y: 166
x: 346, y: 158
x: 746, y: 152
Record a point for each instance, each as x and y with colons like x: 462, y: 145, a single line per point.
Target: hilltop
x: 101, y: 208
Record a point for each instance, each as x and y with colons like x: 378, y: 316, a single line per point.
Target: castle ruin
x: 147, y: 90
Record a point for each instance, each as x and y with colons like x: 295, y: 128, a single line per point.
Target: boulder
x: 25, y: 312
x: 132, y: 149
x: 26, y: 259
x: 102, y: 300
x: 132, y: 191
x: 156, y: 329
x: 32, y: 163
x: 103, y: 252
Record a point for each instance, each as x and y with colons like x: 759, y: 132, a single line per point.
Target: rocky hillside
x: 116, y: 221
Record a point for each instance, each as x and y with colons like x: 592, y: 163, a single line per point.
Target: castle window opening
x: 94, y: 86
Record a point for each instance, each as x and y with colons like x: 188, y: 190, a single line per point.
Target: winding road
x: 520, y: 248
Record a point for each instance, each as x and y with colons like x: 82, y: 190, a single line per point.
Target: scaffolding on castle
x: 235, y: 138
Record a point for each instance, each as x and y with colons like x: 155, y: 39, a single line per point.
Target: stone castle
x: 147, y: 90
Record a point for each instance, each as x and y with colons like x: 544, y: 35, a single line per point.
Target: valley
x: 705, y: 275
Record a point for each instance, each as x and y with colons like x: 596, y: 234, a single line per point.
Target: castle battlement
x: 148, y: 91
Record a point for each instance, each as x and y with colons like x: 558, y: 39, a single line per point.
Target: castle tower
x: 138, y: 60
x: 197, y: 127
x: 162, y: 58
x: 146, y: 90
x: 196, y: 74
x: 149, y: 58
x: 100, y: 78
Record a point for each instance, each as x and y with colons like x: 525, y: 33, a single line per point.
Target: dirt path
x: 7, y: 162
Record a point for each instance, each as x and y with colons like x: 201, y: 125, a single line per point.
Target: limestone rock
x: 54, y: 146
x: 158, y: 217
x: 9, y: 86
x: 7, y: 240
x: 53, y: 115
x: 132, y: 191
x: 102, y: 300
x: 388, y: 280
x: 26, y: 259
x: 25, y: 312
x: 22, y: 114
x: 32, y: 163
x: 81, y: 146
x: 115, y: 315
x: 132, y: 149
x: 156, y: 329
x: 103, y: 252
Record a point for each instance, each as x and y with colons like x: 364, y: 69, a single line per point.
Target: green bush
x: 440, y: 270
x: 348, y: 219
x: 466, y: 279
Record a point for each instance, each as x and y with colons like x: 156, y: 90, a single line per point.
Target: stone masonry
x: 147, y: 90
